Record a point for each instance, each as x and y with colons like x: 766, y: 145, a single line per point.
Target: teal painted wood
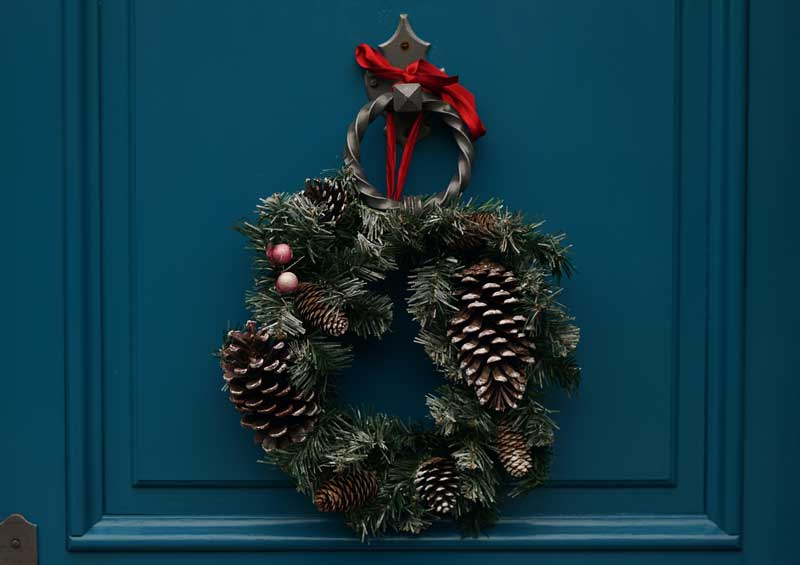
x: 727, y: 174
x: 648, y: 464
x: 133, y: 200
x: 324, y: 533
x: 772, y: 389
x: 82, y: 273
x: 123, y: 298
x: 32, y: 167
x: 90, y: 207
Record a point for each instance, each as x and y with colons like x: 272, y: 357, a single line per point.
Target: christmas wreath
x: 483, y: 288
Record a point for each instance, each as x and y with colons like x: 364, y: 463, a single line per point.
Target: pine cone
x: 478, y: 230
x: 346, y: 491
x: 330, y: 195
x: 254, y: 367
x: 512, y: 449
x: 310, y: 302
x: 493, y: 349
x: 437, y: 484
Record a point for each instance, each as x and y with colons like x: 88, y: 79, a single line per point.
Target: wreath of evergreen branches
x: 350, y: 259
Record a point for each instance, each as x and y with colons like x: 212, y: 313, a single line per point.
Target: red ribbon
x: 431, y: 78
x: 393, y: 190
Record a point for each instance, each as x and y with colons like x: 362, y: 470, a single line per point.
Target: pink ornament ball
x: 280, y: 254
x: 286, y: 283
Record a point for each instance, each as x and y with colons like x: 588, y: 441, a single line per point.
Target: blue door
x: 662, y: 136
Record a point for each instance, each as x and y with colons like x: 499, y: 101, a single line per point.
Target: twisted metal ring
x: 430, y: 103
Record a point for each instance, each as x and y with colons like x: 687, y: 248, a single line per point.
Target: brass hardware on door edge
x: 18, y: 541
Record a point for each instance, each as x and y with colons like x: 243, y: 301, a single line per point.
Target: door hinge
x: 18, y: 541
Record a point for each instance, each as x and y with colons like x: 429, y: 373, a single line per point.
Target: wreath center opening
x: 392, y: 375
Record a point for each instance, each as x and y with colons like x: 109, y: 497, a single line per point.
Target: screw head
x: 16, y: 543
x: 373, y: 82
x: 405, y: 45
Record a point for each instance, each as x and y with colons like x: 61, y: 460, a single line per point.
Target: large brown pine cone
x: 347, y: 491
x: 489, y: 332
x: 513, y: 449
x: 310, y: 301
x: 254, y: 367
x: 329, y: 194
x: 437, y: 484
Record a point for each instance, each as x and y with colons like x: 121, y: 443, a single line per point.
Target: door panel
x: 205, y: 103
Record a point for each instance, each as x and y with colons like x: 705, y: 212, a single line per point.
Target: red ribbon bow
x: 431, y: 78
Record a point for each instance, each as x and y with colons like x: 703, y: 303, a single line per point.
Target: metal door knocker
x: 407, y: 88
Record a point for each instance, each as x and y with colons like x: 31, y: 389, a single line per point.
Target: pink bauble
x: 280, y: 254
x: 286, y: 283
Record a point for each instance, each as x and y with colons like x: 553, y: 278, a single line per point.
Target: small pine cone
x: 347, y: 491
x: 481, y: 225
x: 437, y: 484
x: 310, y: 302
x: 512, y: 449
x: 489, y: 333
x: 254, y: 366
x: 330, y: 195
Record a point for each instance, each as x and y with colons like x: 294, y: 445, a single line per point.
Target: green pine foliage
x: 314, y: 358
x: 349, y: 260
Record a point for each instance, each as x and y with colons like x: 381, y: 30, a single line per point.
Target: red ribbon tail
x: 408, y: 150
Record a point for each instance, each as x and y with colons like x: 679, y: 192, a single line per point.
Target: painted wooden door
x: 659, y: 135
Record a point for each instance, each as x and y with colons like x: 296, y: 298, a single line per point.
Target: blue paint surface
x: 663, y: 137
